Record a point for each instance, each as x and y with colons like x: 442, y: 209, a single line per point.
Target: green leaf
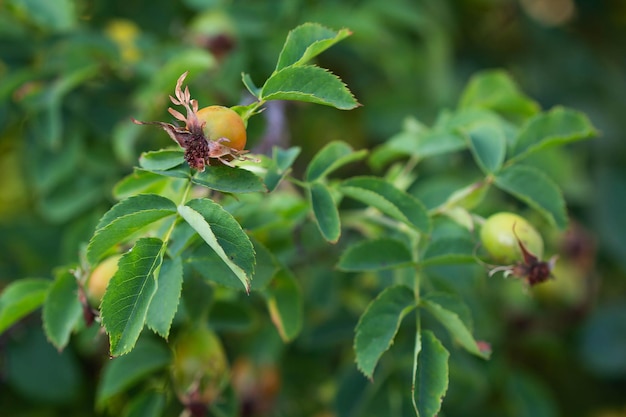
x: 161, y: 160
x: 71, y: 199
x: 179, y: 171
x: 20, y: 298
x: 223, y: 234
x: 229, y: 180
x: 212, y: 268
x: 147, y: 404
x: 307, y: 41
x: 393, y: 202
x: 424, y: 144
x: 310, y: 84
x: 459, y: 329
x: 121, y: 373
x: 61, y: 16
x: 250, y: 86
x: 62, y: 309
x: 375, y: 255
x: 529, y: 395
x: 129, y: 293
x: 330, y: 158
x: 139, y: 182
x: 449, y: 250
x: 266, y: 266
x: 535, y: 189
x: 379, y: 324
x: 430, y: 374
x: 282, y: 160
x: 284, y: 301
x: 495, y: 90
x: 325, y: 212
x: 34, y: 369
x: 165, y: 301
x: 488, y: 145
x: 231, y: 316
x: 124, y: 219
x: 554, y: 128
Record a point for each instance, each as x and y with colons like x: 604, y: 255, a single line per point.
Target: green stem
x: 183, y: 199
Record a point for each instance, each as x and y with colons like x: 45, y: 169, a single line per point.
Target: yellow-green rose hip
x: 500, y: 233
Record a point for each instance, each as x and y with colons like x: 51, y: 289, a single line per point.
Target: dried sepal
x: 532, y: 270
x: 198, y: 148
x: 219, y: 151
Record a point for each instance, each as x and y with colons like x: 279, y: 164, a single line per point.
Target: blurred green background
x: 73, y: 73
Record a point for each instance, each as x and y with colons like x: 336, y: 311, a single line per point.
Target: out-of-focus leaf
x: 147, y: 404
x: 129, y: 293
x: 430, y: 374
x: 325, y: 212
x: 20, y: 298
x: 223, y: 234
x: 393, y: 202
x: 139, y: 182
x: 379, y: 324
x: 535, y: 189
x: 124, y: 219
x: 310, y: 84
x: 488, y: 145
x: 374, y: 255
x: 554, y: 128
x: 121, y: 373
x: 449, y: 250
x: 70, y: 199
x: 459, y: 329
x: 496, y: 91
x: 284, y: 300
x: 307, y: 41
x: 529, y: 397
x: 231, y: 316
x: 62, y: 309
x: 330, y: 158
x: 36, y: 370
x: 609, y: 210
x: 59, y: 16
x: 427, y: 144
x: 603, y: 347
x: 282, y: 160
x: 266, y: 266
x: 48, y: 122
